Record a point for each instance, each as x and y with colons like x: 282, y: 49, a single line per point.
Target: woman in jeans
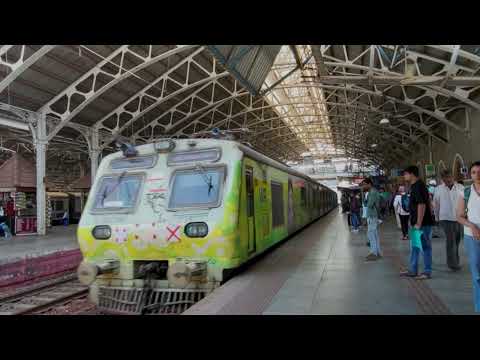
x: 468, y: 214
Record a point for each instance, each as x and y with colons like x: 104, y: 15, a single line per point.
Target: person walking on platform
x: 401, y: 208
x: 371, y: 205
x: 432, y: 186
x: 395, y: 212
x: 421, y: 219
x: 468, y: 214
x: 445, y: 202
x: 355, y: 207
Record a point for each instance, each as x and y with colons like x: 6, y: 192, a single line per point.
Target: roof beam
x: 297, y: 57
x: 5, y: 48
x: 22, y: 64
x: 419, y: 84
x: 439, y: 116
x: 451, y: 67
x: 312, y: 135
x: 87, y: 97
x: 317, y: 54
x: 210, y: 106
x: 399, y: 80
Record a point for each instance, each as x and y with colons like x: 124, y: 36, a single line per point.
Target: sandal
x: 423, y: 276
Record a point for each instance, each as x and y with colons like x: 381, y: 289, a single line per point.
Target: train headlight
x: 102, y: 232
x: 164, y: 145
x: 196, y: 229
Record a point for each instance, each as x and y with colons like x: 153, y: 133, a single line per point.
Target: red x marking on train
x: 173, y: 232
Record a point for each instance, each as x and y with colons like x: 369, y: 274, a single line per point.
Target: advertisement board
x: 25, y: 225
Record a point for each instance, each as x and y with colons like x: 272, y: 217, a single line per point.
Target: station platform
x: 322, y: 270
x: 24, y: 258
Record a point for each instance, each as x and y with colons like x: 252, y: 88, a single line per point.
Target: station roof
x: 318, y: 100
x: 17, y: 172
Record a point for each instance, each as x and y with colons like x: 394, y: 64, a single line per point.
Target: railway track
x: 43, y: 298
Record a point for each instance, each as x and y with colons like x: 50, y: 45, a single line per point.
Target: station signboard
x: 429, y: 170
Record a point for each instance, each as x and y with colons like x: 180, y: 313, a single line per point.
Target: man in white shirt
x: 444, y: 202
x: 468, y: 214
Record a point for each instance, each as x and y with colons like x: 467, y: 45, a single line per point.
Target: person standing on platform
x: 445, y: 201
x: 421, y: 219
x: 10, y: 212
x: 395, y: 212
x: 468, y: 214
x: 371, y: 206
x: 401, y: 208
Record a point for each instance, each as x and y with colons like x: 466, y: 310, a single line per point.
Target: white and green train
x: 166, y: 225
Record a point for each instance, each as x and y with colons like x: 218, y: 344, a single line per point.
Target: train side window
x: 277, y: 204
x: 59, y: 205
x: 303, y: 196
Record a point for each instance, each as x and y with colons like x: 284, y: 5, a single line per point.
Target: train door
x: 250, y: 192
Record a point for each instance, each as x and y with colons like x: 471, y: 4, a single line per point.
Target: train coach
x: 165, y: 223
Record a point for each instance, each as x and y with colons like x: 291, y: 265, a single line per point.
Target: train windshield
x: 118, y: 192
x: 199, y: 187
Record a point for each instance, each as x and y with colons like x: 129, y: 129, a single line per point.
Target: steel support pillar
x: 41, y: 150
x: 430, y: 150
x: 94, y: 152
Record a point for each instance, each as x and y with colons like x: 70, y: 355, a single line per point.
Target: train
x: 71, y: 202
x: 167, y: 222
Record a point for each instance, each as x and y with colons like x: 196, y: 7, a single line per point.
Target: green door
x: 250, y: 209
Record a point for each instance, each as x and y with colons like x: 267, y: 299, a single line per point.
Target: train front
x: 160, y: 225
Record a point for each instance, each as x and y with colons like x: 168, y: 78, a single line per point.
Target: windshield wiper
x: 119, y: 180
x: 208, y: 180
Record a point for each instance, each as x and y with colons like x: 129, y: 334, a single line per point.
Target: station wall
x: 462, y: 148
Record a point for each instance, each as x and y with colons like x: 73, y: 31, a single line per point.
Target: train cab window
x: 118, y: 192
x: 197, y: 188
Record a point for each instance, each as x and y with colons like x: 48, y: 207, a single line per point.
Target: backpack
x: 405, y: 201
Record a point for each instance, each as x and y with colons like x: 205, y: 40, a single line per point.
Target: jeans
x: 404, y: 223
x: 372, y: 234
x: 453, y: 233
x: 355, y: 220
x: 473, y: 250
x: 427, y: 252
